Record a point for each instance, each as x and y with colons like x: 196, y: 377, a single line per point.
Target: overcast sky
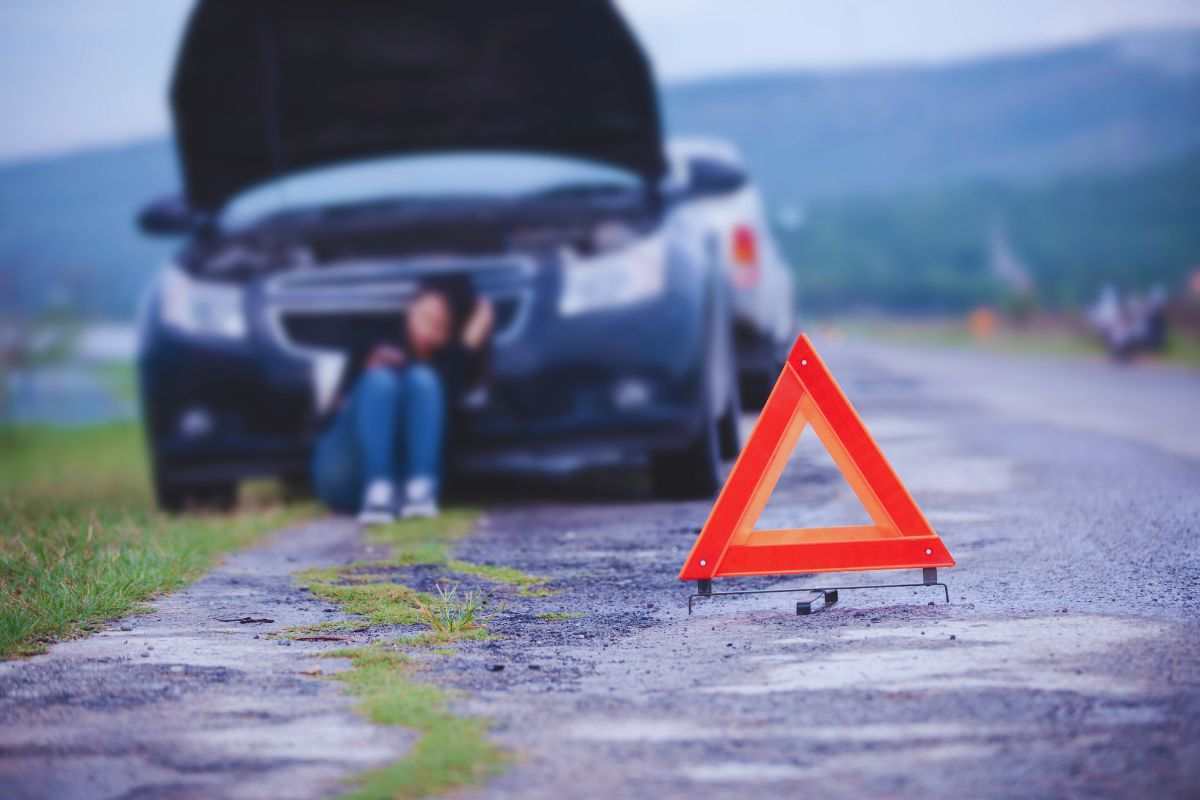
x: 75, y: 73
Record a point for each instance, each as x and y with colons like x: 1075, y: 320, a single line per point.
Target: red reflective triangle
x: 807, y: 394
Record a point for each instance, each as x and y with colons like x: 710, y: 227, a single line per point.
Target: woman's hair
x: 459, y: 291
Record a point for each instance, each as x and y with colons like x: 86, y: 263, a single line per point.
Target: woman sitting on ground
x: 380, y: 453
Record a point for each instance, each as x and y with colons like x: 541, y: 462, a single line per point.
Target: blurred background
x: 1005, y: 171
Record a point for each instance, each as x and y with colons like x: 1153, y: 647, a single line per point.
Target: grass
x: 417, y: 541
x: 559, y: 616
x: 451, y: 752
x: 430, y: 542
x: 448, y: 615
x: 377, y: 603
x: 80, y: 541
x: 527, y: 585
x: 328, y: 628
x: 366, y: 589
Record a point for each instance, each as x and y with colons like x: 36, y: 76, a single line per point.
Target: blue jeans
x: 391, y: 427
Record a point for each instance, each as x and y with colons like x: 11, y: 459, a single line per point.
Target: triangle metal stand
x: 828, y: 595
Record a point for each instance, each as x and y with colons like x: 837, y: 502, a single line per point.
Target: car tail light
x: 745, y: 257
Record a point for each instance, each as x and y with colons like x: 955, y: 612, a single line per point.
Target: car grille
x: 336, y: 330
x: 334, y: 307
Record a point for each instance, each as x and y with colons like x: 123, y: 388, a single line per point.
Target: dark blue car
x: 338, y: 155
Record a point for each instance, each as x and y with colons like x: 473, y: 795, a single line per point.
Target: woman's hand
x: 479, y: 325
x: 385, y: 355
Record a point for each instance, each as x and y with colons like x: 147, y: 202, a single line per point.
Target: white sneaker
x: 419, y: 500
x: 379, y: 503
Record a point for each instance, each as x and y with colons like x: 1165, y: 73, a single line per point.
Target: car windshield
x: 497, y: 175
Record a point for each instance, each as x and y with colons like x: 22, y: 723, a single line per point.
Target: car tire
x: 755, y: 387
x: 691, y: 472
x: 168, y: 497
x: 694, y: 471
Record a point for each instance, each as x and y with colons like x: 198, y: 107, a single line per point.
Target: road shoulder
x: 197, y: 698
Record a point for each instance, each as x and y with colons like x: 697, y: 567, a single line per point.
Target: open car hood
x: 268, y: 87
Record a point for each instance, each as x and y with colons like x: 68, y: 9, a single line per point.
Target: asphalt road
x: 1067, y: 664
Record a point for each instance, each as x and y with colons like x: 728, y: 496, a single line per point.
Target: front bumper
x: 591, y: 388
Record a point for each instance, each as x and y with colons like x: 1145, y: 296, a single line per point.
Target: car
x: 332, y: 162
x: 737, y: 230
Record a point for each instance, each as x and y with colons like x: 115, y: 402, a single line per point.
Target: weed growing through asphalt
x: 450, y: 615
x: 559, y: 616
x: 80, y: 541
x: 452, y: 752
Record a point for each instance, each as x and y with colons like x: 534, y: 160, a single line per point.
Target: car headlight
x: 630, y: 274
x: 202, y: 308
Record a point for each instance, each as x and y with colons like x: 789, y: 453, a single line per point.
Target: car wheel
x: 755, y: 387
x: 693, y: 471
x: 169, y: 497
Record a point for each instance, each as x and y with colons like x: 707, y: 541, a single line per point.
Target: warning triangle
x: 807, y: 395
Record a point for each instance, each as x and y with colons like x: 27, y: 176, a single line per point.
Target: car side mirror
x: 169, y: 216
x: 709, y: 177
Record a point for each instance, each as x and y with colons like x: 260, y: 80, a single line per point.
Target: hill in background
x: 943, y: 249
x: 1112, y: 104
x: 67, y: 235
x: 907, y: 180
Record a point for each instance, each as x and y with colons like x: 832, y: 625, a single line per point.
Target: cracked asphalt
x: 189, y: 701
x: 1066, y: 665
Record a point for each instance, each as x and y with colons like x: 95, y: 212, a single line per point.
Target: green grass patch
x: 425, y: 541
x: 447, y: 616
x: 429, y: 541
x: 329, y: 628
x: 451, y: 753
x: 451, y: 614
x: 537, y: 591
x: 363, y: 589
x: 559, y: 616
x: 527, y: 585
x: 80, y: 541
x: 377, y: 603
